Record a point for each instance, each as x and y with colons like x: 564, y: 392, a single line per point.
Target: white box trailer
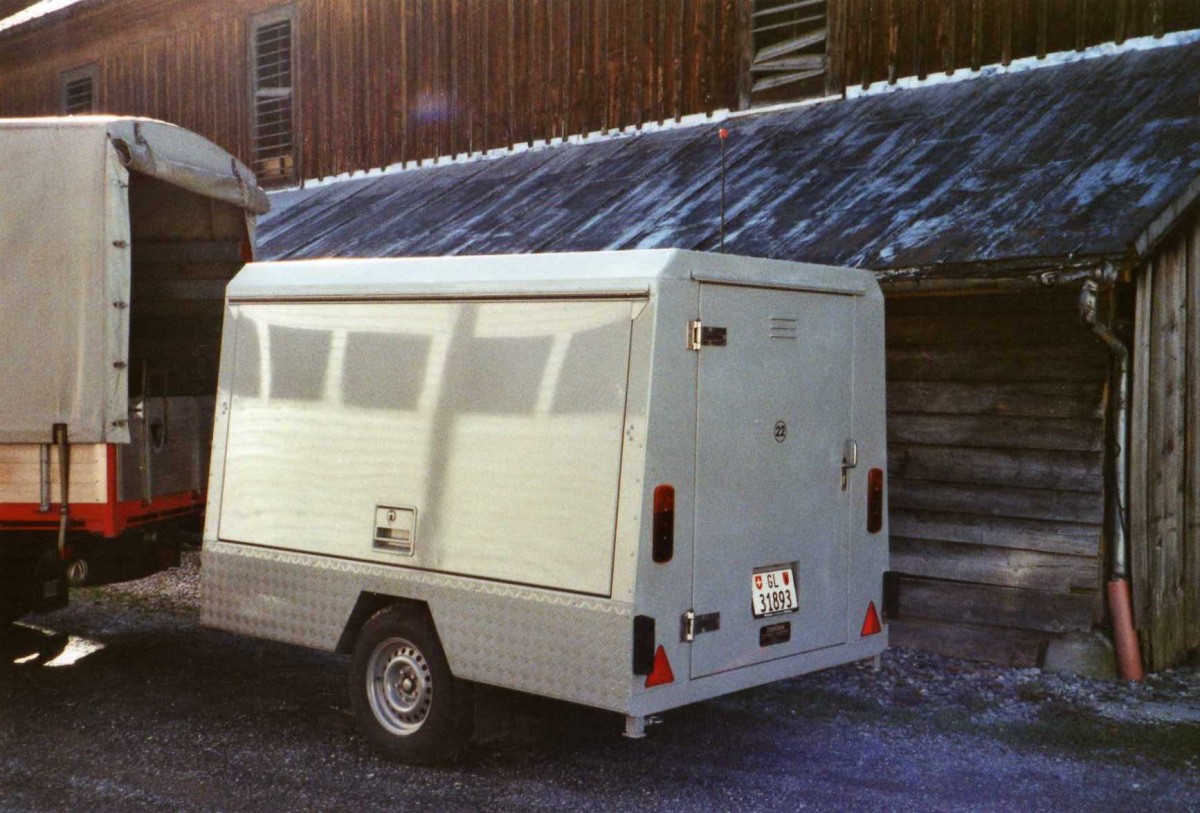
x: 631, y: 480
x: 117, y: 238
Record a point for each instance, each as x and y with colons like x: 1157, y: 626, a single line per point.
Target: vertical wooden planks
x: 740, y: 30
x: 1042, y: 17
x: 614, y: 48
x: 1191, y: 538
x: 865, y: 73
x: 977, y: 45
x: 835, y: 47
x: 1166, y: 444
x: 1139, y: 454
x: 648, y: 51
x: 895, y: 17
x: 853, y: 44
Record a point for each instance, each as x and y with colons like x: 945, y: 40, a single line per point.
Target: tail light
x: 663, y: 547
x: 874, y: 501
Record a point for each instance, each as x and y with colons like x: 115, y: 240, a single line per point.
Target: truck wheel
x: 406, y: 702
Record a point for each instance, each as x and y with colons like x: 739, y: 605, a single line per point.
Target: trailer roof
x: 1073, y: 160
x: 625, y: 273
x: 170, y: 153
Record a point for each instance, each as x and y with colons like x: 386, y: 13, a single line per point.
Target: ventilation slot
x: 273, y: 154
x: 782, y: 328
x: 79, y: 91
x: 789, y: 49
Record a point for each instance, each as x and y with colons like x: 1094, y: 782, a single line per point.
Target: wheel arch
x: 370, y: 603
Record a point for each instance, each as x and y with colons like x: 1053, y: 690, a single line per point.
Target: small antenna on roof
x: 724, y: 135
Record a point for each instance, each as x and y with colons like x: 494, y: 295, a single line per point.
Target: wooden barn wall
x: 1165, y: 450
x: 383, y: 81
x: 995, y: 456
x: 885, y: 40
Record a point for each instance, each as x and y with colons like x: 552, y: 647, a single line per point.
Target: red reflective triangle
x: 662, y: 670
x: 871, y: 622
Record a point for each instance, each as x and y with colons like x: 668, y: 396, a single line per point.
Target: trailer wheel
x: 406, y: 702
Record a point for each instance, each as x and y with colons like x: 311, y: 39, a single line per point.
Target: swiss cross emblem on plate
x: 758, y: 582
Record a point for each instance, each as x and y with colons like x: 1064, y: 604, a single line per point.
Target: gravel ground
x: 132, y: 706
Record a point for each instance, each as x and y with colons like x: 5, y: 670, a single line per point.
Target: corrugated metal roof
x: 1075, y: 159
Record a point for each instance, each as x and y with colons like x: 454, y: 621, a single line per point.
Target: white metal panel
x: 773, y: 412
x: 500, y: 423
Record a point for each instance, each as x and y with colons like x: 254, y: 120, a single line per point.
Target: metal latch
x: 701, y: 336
x: 849, y: 459
x: 693, y: 625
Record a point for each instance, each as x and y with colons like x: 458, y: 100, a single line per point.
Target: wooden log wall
x: 1165, y: 451
x: 996, y: 459
x: 885, y: 40
x: 386, y: 81
x: 383, y: 81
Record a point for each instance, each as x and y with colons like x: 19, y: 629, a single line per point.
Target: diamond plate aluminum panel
x: 538, y: 641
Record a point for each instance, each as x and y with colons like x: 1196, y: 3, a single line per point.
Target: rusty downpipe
x: 1120, y: 604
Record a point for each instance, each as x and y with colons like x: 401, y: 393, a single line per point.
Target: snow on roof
x: 1072, y: 160
x: 34, y: 11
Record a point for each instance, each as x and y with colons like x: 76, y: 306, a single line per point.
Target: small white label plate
x: 773, y: 592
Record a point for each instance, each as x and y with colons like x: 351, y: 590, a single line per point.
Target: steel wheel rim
x: 399, y: 686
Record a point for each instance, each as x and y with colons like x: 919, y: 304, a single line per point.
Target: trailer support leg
x: 635, y: 727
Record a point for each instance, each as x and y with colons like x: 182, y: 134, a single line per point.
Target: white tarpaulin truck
x: 631, y: 480
x: 117, y: 238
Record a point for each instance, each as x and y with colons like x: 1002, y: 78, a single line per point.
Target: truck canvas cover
x: 65, y: 261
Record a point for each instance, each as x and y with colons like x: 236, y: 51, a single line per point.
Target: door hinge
x: 701, y: 336
x: 692, y: 625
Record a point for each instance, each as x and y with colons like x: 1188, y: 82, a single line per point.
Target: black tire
x: 406, y: 701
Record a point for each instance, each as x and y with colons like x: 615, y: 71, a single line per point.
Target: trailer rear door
x: 773, y: 416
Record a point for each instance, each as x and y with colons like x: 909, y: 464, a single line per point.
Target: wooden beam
x: 999, y: 431
x: 989, y: 605
x: 1016, y: 648
x: 1050, y: 469
x: 1025, y: 569
x: 1040, y: 400
x: 1045, y: 536
x: 996, y: 501
x: 998, y: 365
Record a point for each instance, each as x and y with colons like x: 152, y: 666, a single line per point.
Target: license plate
x: 773, y: 592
